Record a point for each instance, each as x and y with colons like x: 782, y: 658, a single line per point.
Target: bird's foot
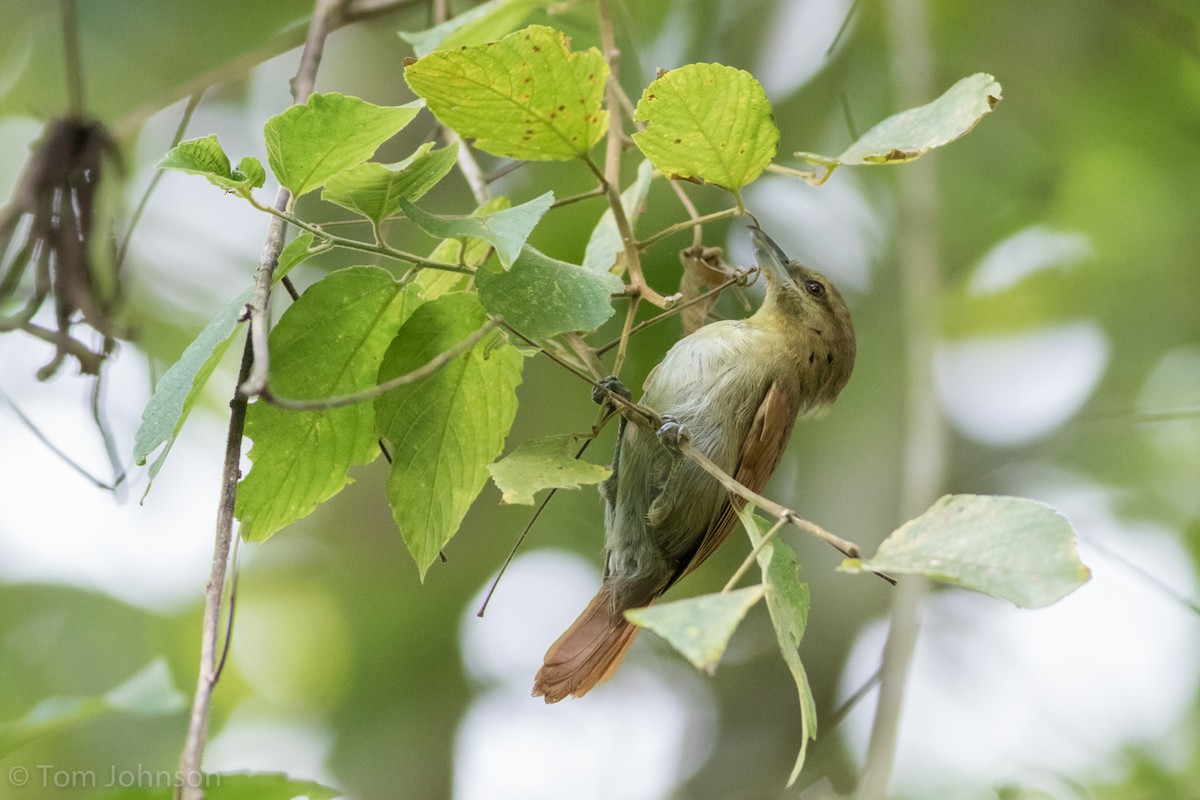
x: 610, y: 384
x: 672, y: 435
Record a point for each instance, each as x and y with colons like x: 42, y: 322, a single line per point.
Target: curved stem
x: 688, y: 223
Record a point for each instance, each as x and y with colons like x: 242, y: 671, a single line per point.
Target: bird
x: 734, y: 389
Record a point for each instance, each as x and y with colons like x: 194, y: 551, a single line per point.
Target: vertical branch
x: 253, y: 367
x: 71, y: 55
x: 925, y: 438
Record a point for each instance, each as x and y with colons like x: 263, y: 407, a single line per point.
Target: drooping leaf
x: 787, y: 602
x: 505, y: 230
x: 444, y: 430
x: 707, y: 122
x: 472, y: 251
x: 485, y: 22
x: 1012, y: 548
x: 699, y: 627
x: 309, y: 144
x: 329, y: 342
x: 526, y: 96
x: 148, y: 693
x: 230, y: 786
x: 182, y: 383
x: 604, y: 247
x: 375, y: 190
x: 542, y: 464
x: 205, y: 157
x: 910, y: 134
x: 542, y: 296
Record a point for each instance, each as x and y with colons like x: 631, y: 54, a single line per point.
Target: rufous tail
x: 587, y: 653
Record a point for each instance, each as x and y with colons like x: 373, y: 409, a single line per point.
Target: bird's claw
x: 672, y: 434
x: 610, y: 384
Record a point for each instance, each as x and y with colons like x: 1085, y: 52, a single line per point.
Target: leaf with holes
x: 309, y: 144
x: 329, y: 342
x: 446, y: 429
x: 544, y: 463
x: 699, y: 627
x: 526, y: 96
x: 913, y: 133
x: 1012, y: 548
x: 707, y: 122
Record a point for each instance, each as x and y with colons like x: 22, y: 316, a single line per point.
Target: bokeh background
x: 1066, y: 231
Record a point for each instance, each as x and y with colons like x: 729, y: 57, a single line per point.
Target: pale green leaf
x: 446, y: 429
x: 206, y: 157
x: 309, y: 144
x: 544, y: 463
x: 329, y: 342
x: 485, y: 22
x: 787, y: 602
x: 526, y: 96
x: 699, y: 627
x: 542, y: 296
x: 708, y: 122
x: 505, y: 230
x: 472, y: 252
x: 1012, y: 548
x: 150, y: 692
x: 182, y: 383
x: 910, y: 134
x: 375, y: 190
x: 605, y: 246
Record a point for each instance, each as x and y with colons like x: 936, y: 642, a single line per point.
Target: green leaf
x: 309, y: 144
x: 699, y: 627
x: 180, y: 385
x: 447, y: 428
x: 505, y: 230
x: 542, y: 296
x: 605, y: 246
x: 526, y: 96
x: 485, y: 22
x: 910, y: 134
x: 542, y: 464
x: 708, y: 122
x: 1012, y: 548
x: 787, y: 602
x: 329, y: 342
x: 471, y: 251
x: 206, y: 157
x: 231, y: 786
x: 148, y: 693
x: 375, y: 190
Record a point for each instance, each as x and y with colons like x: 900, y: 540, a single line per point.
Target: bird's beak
x: 771, y: 259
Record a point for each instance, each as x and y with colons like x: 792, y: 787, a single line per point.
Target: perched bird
x: 735, y: 388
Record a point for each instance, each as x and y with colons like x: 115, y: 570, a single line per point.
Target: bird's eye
x: 815, y: 288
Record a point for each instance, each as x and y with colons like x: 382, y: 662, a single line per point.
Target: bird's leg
x: 608, y: 488
x: 672, y: 435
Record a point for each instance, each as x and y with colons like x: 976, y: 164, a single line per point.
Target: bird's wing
x: 765, y: 442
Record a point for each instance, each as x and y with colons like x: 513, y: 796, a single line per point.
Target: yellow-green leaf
x: 699, y: 627
x: 544, y: 463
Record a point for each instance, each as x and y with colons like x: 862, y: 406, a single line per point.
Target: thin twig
x: 188, y: 786
x: 521, y: 539
x: 599, y: 191
x: 144, y: 201
x: 420, y: 373
x: 41, y: 437
x: 626, y: 331
x: 693, y: 214
x: 633, y: 258
x: 110, y: 446
x: 758, y: 548
x: 232, y: 604
x: 683, y: 226
x: 675, y: 309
